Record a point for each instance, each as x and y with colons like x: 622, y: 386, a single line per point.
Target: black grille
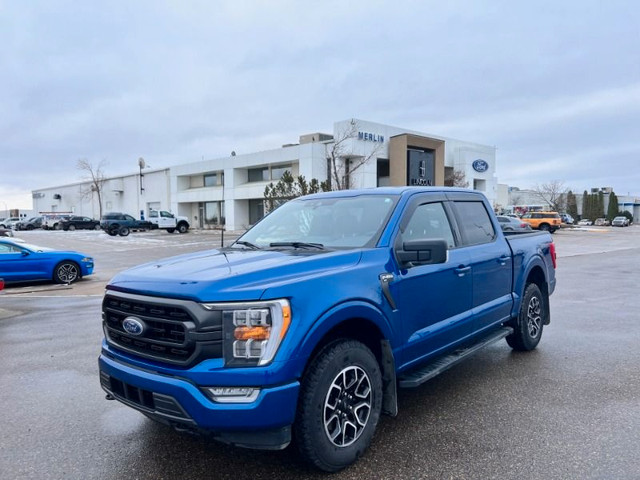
x: 182, y: 333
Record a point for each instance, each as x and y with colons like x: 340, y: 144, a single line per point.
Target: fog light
x: 232, y: 394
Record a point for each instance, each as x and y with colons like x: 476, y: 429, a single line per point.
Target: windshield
x: 34, y: 248
x: 343, y: 222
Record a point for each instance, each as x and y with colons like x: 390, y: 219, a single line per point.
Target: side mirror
x: 423, y: 251
x: 25, y: 253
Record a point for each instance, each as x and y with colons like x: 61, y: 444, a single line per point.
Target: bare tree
x: 553, y: 193
x: 95, y: 175
x: 456, y: 178
x: 341, y: 162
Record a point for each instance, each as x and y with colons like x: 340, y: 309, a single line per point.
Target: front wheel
x: 528, y: 327
x: 183, y: 227
x: 339, y: 407
x: 66, y: 272
x: 124, y: 231
x: 72, y: 228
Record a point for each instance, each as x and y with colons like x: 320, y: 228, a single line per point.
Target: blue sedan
x: 22, y: 262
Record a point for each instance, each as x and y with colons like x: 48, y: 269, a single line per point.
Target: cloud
x: 546, y: 83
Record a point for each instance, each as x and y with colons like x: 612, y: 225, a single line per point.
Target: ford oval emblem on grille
x: 133, y: 326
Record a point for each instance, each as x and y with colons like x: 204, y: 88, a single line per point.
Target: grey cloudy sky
x: 554, y: 85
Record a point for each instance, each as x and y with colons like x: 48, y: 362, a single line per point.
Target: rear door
x: 434, y: 301
x: 490, y: 259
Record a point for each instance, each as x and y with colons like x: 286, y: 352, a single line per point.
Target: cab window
x: 429, y: 221
x: 475, y: 223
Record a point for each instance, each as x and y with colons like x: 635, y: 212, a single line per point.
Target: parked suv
x: 115, y: 223
x: 9, y: 222
x: 566, y: 218
x: 620, y: 222
x: 76, y: 222
x: 32, y: 223
x: 546, y: 221
x: 52, y: 221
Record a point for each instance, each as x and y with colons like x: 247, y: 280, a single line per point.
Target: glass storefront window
x: 214, y: 213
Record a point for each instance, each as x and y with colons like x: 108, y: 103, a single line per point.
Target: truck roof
x: 392, y: 191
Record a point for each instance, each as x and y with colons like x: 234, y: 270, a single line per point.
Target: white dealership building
x: 232, y: 188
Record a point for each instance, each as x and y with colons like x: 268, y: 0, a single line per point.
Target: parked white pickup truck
x: 168, y: 221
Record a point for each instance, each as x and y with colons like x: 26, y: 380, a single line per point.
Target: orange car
x: 547, y: 221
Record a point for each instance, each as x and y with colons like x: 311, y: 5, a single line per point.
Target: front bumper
x: 178, y: 402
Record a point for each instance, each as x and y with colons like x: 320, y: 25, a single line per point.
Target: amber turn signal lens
x: 251, y: 333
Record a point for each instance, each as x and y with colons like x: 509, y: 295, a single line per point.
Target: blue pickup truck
x: 306, y: 326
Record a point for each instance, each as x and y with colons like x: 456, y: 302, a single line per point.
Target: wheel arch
x: 537, y: 276
x: 366, y: 325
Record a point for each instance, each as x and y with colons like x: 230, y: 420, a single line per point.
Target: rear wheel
x: 66, y: 272
x: 171, y: 230
x: 544, y: 227
x: 528, y: 327
x: 339, y: 406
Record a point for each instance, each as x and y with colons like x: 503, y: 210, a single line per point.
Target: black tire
x: 66, y: 272
x: 57, y: 226
x: 544, y: 227
x: 71, y: 228
x: 171, y: 230
x: 325, y: 407
x: 29, y: 227
x: 124, y: 231
x: 528, y: 327
x: 97, y: 226
x: 183, y: 227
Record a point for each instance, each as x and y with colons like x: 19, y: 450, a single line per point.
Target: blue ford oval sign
x: 133, y: 326
x: 480, y: 165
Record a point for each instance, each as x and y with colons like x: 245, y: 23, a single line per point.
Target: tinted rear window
x: 475, y: 223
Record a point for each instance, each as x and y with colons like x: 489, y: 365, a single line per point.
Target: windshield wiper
x: 244, y: 243
x: 318, y: 246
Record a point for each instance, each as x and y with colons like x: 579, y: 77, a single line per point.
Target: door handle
x: 462, y: 270
x: 503, y: 259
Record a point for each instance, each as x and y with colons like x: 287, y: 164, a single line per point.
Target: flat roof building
x: 357, y: 154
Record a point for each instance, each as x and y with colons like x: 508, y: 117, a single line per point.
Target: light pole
x: 141, y: 164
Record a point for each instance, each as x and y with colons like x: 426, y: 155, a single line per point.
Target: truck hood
x: 230, y: 274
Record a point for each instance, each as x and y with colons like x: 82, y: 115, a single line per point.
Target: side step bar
x: 417, y: 377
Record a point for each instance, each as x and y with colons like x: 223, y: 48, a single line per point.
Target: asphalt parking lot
x: 568, y: 410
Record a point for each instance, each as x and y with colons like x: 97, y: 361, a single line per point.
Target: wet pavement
x: 568, y: 410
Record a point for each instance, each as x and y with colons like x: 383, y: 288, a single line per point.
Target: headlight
x: 252, y: 331
x: 87, y: 260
